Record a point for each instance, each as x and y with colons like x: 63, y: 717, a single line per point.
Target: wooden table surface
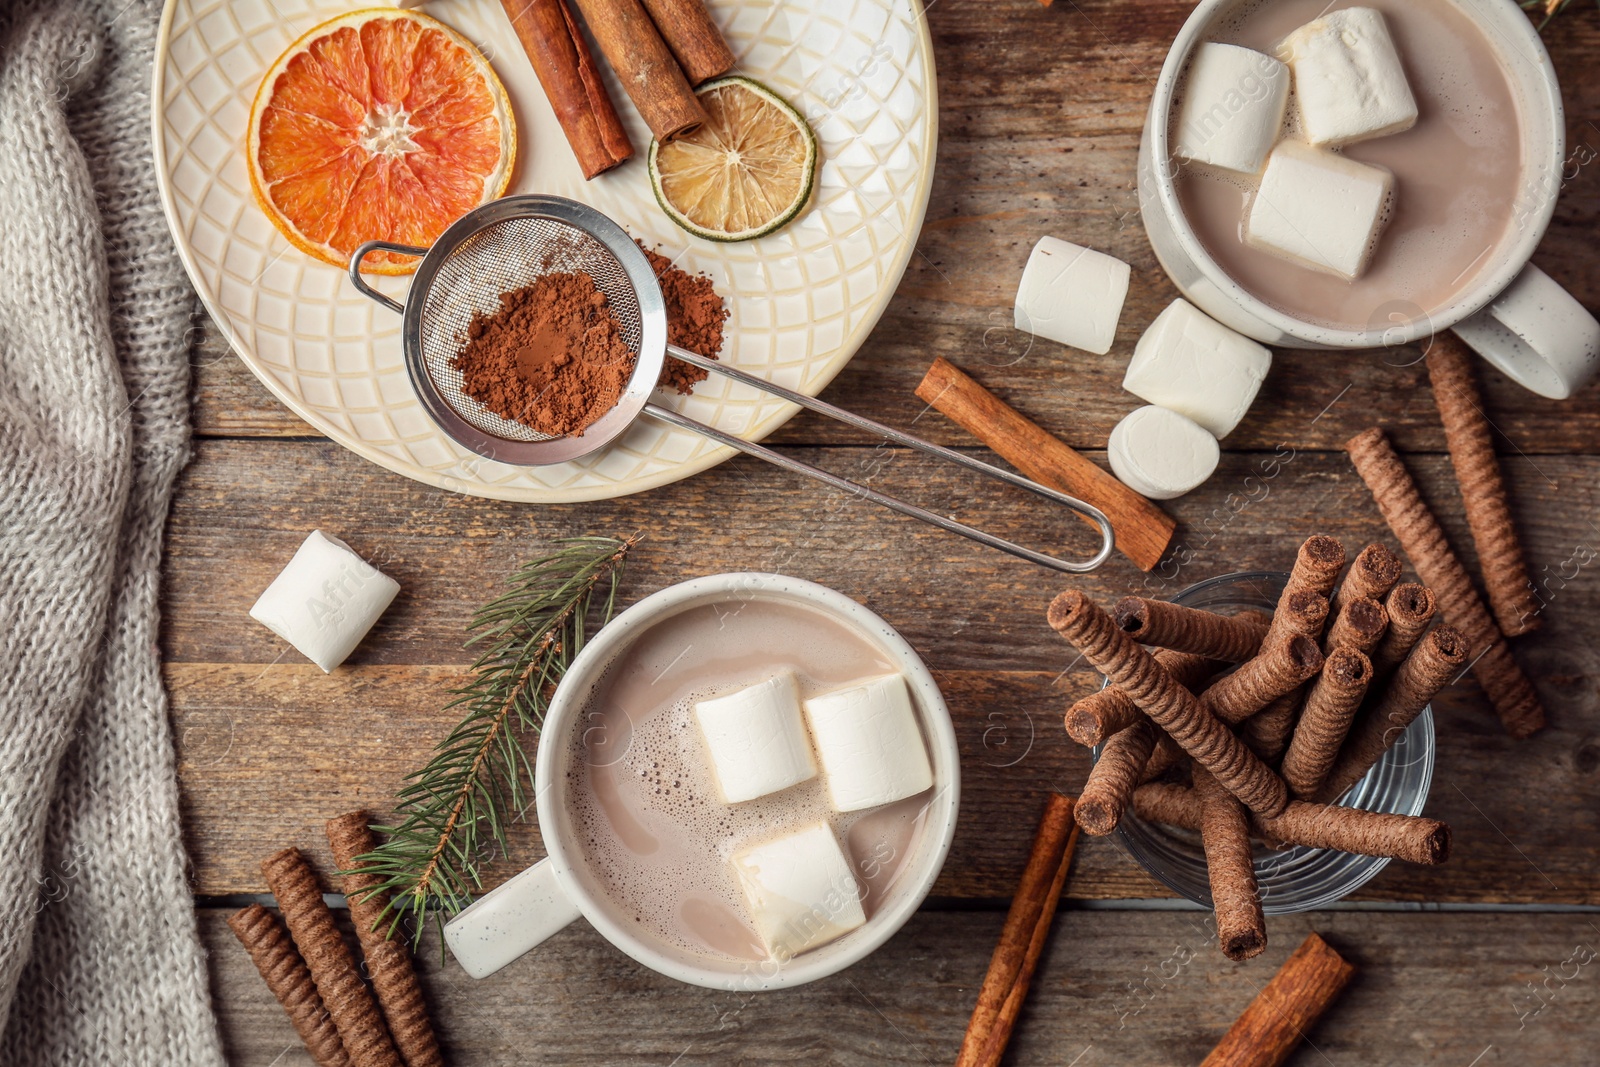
x: 1480, y: 961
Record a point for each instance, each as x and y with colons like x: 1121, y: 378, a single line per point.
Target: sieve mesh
x: 504, y: 256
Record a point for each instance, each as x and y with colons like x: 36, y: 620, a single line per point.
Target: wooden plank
x: 1125, y: 988
x: 270, y: 746
x: 1039, y: 134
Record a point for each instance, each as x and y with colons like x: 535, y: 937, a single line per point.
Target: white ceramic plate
x: 802, y: 300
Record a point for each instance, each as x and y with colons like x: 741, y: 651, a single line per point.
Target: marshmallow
x: 1160, y: 454
x: 756, y: 739
x: 1319, y: 209
x: 1234, y: 100
x: 1072, y: 295
x: 1197, y: 367
x: 326, y: 599
x: 871, y: 749
x: 800, y: 891
x: 1348, y: 80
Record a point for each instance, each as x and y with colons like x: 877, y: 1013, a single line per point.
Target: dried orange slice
x: 381, y: 124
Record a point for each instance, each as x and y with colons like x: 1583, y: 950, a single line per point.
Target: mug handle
x: 510, y: 920
x: 1538, y: 334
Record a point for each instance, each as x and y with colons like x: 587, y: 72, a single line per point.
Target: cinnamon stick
x: 1278, y: 1018
x: 572, y: 81
x: 693, y: 36
x: 645, y: 66
x: 286, y: 976
x: 1143, y: 531
x: 1023, y: 937
x: 389, y: 965
x: 333, y: 968
x: 1423, y: 539
x: 1483, y: 489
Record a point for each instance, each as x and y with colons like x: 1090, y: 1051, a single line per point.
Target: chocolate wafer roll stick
x: 1331, y: 707
x: 286, y: 975
x: 1301, y: 611
x: 1281, y: 668
x: 1411, y: 608
x: 1111, y: 782
x: 1423, y: 540
x: 1373, y: 572
x: 1309, y: 825
x: 1094, y: 718
x: 389, y: 965
x: 1437, y: 659
x: 1360, y: 625
x: 1483, y: 490
x: 1235, y: 897
x: 1267, y: 731
x: 1176, y: 710
x: 1316, y: 570
x: 355, y: 1014
x: 1167, y: 755
x: 1231, y: 638
x: 1285, y: 1009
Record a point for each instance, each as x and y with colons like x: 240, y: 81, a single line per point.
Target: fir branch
x: 452, y: 813
x: 1548, y: 8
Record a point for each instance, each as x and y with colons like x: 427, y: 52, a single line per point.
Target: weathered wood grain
x: 271, y: 746
x: 1124, y: 988
x: 1040, y: 115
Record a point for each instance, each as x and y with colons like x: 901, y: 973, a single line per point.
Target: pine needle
x: 453, y: 812
x: 1548, y: 8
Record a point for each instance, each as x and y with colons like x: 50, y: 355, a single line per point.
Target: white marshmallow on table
x: 1319, y: 209
x: 1234, y: 100
x: 1194, y: 365
x: 1349, y: 83
x: 326, y: 599
x: 867, y: 738
x: 1161, y: 454
x: 800, y: 890
x: 756, y: 739
x: 1072, y: 294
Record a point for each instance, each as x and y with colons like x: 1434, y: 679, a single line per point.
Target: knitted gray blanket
x: 100, y: 961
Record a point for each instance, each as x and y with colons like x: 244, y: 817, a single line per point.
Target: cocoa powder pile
x: 552, y: 357
x: 695, y: 317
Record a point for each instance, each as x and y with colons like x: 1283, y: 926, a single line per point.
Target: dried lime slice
x: 745, y: 173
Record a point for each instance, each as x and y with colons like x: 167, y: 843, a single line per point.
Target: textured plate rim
x: 468, y: 485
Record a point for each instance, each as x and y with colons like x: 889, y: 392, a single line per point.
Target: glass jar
x: 1294, y: 879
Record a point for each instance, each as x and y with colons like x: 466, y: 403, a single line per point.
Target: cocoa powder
x: 695, y: 317
x: 552, y: 357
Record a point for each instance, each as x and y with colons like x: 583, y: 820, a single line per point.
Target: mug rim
x: 1514, y: 257
x: 613, y: 640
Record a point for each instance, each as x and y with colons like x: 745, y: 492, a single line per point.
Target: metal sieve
x: 508, y: 244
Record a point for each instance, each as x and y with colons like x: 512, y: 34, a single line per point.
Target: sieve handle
x: 365, y: 250
x: 1094, y: 514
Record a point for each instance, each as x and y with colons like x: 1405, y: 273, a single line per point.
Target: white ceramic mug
x: 558, y: 890
x: 1514, y: 315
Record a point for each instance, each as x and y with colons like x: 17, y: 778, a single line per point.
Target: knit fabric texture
x: 100, y: 959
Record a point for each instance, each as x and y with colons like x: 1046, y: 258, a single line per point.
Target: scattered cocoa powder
x: 695, y: 317
x: 552, y: 357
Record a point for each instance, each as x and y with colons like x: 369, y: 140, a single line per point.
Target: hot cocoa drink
x: 650, y: 784
x: 1453, y: 163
